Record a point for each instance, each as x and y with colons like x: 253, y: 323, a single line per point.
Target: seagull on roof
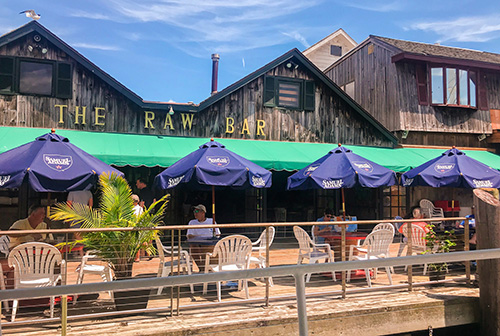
x: 31, y: 13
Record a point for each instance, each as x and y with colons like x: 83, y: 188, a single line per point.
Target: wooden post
x: 488, y: 236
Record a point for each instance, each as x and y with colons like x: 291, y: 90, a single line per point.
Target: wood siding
x: 332, y: 121
x: 389, y: 92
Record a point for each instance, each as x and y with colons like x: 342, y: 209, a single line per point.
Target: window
x: 34, y: 77
x: 335, y: 50
x: 394, y: 202
x: 451, y: 86
x: 291, y: 93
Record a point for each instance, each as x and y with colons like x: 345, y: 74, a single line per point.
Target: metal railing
x: 296, y: 271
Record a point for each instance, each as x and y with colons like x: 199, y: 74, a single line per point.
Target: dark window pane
x: 451, y: 86
x: 289, y: 94
x: 472, y: 88
x: 335, y: 50
x: 35, y: 78
x: 6, y: 83
x: 437, y: 85
x: 63, y: 88
x: 6, y: 66
x: 64, y: 71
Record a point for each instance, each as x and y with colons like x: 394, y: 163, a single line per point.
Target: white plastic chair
x: 103, y: 270
x: 233, y: 254
x: 260, y: 247
x: 34, y: 265
x: 375, y: 246
x: 430, y: 211
x: 165, y: 267
x: 311, y: 251
x: 418, y: 242
x: 4, y: 248
x: 391, y: 228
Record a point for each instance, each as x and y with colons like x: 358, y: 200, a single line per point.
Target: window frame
x: 457, y: 69
x: 54, y: 90
x: 287, y: 80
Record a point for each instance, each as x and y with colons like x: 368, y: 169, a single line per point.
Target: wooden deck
x: 451, y: 304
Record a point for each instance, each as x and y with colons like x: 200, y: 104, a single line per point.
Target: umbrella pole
x: 213, y: 209
x: 343, y: 202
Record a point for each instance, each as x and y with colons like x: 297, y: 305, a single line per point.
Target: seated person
x: 319, y: 231
x: 199, y: 251
x: 417, y: 214
x: 35, y: 221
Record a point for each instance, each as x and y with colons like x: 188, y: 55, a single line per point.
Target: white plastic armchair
x: 232, y: 254
x: 260, y: 247
x: 178, y: 264
x: 4, y: 249
x: 429, y: 210
x: 375, y: 246
x: 311, y: 251
x: 102, y: 269
x: 418, y: 242
x: 34, y: 265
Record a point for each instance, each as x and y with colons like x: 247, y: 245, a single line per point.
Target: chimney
x: 215, y: 70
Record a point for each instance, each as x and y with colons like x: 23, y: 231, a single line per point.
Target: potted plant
x: 117, y: 248
x: 438, y: 243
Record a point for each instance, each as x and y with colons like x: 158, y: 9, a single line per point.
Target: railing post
x: 409, y: 252
x: 466, y: 248
x: 267, y: 265
x: 172, y: 234
x: 300, y: 291
x: 342, y: 257
x: 64, y: 315
x: 178, y: 270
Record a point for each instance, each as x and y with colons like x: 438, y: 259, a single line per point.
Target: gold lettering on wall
x: 187, y: 119
x: 168, y: 122
x: 99, y: 116
x: 78, y: 114
x: 149, y: 116
x: 260, y: 127
x: 61, y: 110
x: 244, y: 128
x: 229, y: 125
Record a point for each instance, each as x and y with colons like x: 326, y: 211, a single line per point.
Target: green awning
x: 158, y: 150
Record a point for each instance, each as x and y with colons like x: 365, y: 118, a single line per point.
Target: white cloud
x: 375, y: 5
x: 87, y: 15
x: 95, y: 46
x: 298, y: 37
x: 464, y: 29
x: 205, y: 26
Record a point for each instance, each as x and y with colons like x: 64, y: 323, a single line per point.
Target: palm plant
x: 118, y: 248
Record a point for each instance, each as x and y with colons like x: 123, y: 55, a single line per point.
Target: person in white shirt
x: 199, y: 251
x: 138, y: 210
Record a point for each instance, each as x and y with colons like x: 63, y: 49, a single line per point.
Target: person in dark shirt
x: 145, y: 194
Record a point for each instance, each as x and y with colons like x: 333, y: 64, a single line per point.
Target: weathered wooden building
x: 426, y: 94
x: 45, y: 83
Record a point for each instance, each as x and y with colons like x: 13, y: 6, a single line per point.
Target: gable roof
x: 327, y: 40
x: 33, y: 26
x: 299, y: 57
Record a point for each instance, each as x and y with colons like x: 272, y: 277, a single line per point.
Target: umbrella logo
x: 332, y: 184
x: 408, y: 182
x: 482, y: 183
x: 364, y: 165
x: 309, y: 170
x: 4, y: 179
x: 258, y: 181
x: 58, y: 162
x: 218, y: 161
x: 444, y: 167
x: 172, y: 182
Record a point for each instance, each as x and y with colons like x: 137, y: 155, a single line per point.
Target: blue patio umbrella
x: 340, y: 169
x: 212, y: 165
x: 51, y: 164
x: 452, y: 169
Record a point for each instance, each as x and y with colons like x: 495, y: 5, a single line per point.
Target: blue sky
x: 160, y: 49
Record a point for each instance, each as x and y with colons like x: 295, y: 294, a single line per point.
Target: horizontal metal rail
x: 233, y: 225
